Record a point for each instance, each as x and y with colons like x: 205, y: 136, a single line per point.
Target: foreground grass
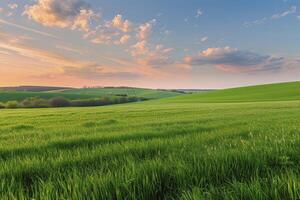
x: 152, y: 151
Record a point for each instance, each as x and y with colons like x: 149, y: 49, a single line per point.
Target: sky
x: 149, y: 43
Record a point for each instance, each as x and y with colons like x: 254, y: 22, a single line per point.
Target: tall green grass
x: 152, y: 150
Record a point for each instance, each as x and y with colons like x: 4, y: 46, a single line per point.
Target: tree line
x: 37, y: 102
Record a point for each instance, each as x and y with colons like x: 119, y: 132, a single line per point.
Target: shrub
x: 12, y: 104
x: 133, y: 99
x: 123, y: 100
x: 35, y: 102
x: 121, y: 95
x: 103, y: 101
x: 86, y: 102
x: 2, y: 106
x: 59, y: 102
x: 106, y: 101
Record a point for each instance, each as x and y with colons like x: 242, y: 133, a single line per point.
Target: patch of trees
x: 37, y: 102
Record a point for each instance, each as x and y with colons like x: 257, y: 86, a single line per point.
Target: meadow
x: 85, y: 93
x: 269, y: 92
x: 139, y: 92
x: 6, y: 96
x: 175, y: 148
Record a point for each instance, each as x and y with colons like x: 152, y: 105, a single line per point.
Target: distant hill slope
x: 270, y: 92
x: 139, y: 92
x: 72, y: 94
x: 33, y: 88
x: 21, y: 95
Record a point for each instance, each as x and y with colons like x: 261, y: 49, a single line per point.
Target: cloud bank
x: 234, y: 60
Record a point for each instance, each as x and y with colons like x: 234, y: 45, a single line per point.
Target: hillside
x: 33, y: 88
x: 271, y: 92
x: 21, y: 95
x: 72, y: 94
x: 139, y: 92
x: 148, y: 150
x: 175, y: 148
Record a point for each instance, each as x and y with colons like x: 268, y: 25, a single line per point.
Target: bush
x: 103, y: 101
x: 86, y: 103
x: 12, y: 104
x: 59, y: 102
x: 92, y: 102
x: 133, y: 99
x: 2, y: 106
x: 35, y: 102
x: 123, y: 100
x: 106, y: 101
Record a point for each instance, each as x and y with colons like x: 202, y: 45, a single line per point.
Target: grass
x: 140, y: 92
x: 270, y: 92
x: 19, y: 96
x: 162, y: 149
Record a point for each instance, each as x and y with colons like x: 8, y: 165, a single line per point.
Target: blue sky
x: 157, y: 44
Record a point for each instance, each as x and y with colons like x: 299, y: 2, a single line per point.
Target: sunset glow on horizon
x: 153, y: 44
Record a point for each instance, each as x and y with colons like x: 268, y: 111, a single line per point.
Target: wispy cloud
x: 13, y: 6
x: 199, y: 13
x: 290, y: 11
x: 204, y: 39
x: 28, y: 29
x: 58, y: 65
x: 20, y: 46
x: 70, y: 49
x: 98, y: 72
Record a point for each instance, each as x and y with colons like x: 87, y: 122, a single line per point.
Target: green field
x: 140, y: 92
x: 270, y: 92
x: 73, y: 94
x: 19, y: 96
x: 175, y: 148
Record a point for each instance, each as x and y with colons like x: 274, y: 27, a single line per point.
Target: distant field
x: 86, y: 93
x: 146, y: 93
x: 271, y: 92
x: 19, y: 96
x: 33, y: 88
x: 161, y: 149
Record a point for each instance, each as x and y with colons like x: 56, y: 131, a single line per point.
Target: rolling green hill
x: 184, y: 151
x: 33, y: 88
x: 270, y: 92
x: 19, y: 95
x: 180, y: 148
x: 139, y: 92
x: 73, y: 94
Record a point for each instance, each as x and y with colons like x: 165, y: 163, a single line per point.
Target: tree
x: 60, y: 102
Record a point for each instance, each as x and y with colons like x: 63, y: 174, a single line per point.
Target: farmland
x: 214, y: 145
x: 73, y: 94
x: 269, y: 92
x: 140, y: 92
